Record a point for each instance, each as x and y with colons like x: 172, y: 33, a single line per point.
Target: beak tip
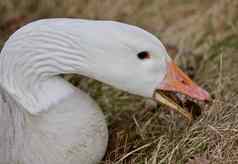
x: 203, y: 95
x: 206, y: 95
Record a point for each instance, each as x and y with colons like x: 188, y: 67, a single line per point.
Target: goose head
x: 132, y: 59
x: 124, y: 56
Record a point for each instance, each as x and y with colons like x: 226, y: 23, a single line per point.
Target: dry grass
x: 206, y: 39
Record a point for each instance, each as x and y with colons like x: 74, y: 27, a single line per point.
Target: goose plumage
x: 46, y: 120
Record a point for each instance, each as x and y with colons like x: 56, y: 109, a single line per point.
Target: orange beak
x: 177, y: 81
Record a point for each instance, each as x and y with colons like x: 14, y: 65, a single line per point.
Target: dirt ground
x: 202, y: 37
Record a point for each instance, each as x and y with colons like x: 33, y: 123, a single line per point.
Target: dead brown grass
x: 205, y: 36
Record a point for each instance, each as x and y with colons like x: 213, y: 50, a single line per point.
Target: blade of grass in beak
x: 162, y: 98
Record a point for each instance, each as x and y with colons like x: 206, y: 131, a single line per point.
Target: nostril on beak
x: 183, y: 82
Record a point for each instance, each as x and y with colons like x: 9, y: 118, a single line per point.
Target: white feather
x: 44, y: 119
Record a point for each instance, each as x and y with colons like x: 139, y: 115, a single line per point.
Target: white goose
x: 46, y: 120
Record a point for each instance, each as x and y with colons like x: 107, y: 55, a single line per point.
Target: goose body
x: 73, y: 131
x: 46, y: 120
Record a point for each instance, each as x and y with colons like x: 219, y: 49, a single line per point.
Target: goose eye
x: 143, y: 55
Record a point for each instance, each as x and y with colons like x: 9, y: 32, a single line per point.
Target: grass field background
x: 201, y: 36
